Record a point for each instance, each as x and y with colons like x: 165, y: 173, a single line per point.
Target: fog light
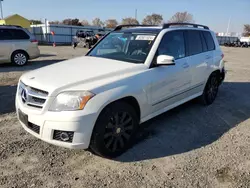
x: 64, y: 136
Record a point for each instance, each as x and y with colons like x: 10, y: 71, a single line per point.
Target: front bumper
x: 34, y: 53
x: 79, y: 123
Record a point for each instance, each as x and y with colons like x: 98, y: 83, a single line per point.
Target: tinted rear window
x: 209, y: 40
x: 204, y: 44
x: 19, y: 34
x: 5, y: 34
x: 13, y: 34
x: 194, y: 42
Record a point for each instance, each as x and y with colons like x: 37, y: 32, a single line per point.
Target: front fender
x: 101, y: 100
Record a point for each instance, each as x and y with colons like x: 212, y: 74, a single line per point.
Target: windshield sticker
x: 145, y: 37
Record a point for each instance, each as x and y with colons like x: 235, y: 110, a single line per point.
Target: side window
x: 173, y: 44
x: 194, y: 42
x: 5, y: 34
x: 19, y: 34
x: 204, y: 44
x: 209, y: 40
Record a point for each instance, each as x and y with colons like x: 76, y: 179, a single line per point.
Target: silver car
x: 17, y: 45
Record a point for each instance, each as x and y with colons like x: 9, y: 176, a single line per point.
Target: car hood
x: 78, y: 71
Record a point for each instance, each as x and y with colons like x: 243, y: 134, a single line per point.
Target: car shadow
x: 32, y: 65
x: 47, y: 55
x: 7, y: 99
x: 191, y: 126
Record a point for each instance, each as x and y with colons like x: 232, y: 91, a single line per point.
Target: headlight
x: 71, y: 101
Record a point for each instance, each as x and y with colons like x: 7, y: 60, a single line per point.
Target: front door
x: 170, y: 83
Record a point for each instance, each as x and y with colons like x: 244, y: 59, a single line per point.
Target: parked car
x: 85, y: 38
x: 131, y: 75
x: 17, y: 45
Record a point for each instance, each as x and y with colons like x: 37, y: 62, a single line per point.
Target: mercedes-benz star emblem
x: 24, y: 95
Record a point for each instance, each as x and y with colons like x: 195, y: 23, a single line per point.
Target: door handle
x: 185, y: 66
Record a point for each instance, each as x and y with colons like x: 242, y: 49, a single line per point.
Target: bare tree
x: 246, y: 30
x: 97, y: 22
x: 71, y: 21
x: 85, y: 22
x: 67, y: 21
x: 129, y: 21
x: 75, y: 21
x: 111, y: 23
x: 181, y: 17
x: 54, y: 22
x: 154, y: 19
x: 35, y: 22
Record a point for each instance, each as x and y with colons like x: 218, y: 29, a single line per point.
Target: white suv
x: 17, y: 45
x: 132, y: 75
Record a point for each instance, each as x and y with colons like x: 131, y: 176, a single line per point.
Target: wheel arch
x: 20, y: 50
x: 132, y: 101
x: 217, y: 72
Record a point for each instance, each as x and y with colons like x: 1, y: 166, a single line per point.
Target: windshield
x: 129, y: 47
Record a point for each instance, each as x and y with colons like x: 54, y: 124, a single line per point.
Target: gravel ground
x: 190, y: 146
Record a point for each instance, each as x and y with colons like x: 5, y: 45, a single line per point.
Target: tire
x: 211, y: 89
x: 19, y: 58
x: 115, y: 130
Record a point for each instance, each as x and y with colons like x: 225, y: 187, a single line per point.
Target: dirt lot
x: 190, y: 146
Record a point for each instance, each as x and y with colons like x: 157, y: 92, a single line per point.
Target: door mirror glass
x: 165, y: 60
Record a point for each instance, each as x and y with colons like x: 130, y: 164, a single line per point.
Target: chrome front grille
x: 32, y: 97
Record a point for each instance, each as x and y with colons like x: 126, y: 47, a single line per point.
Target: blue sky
x: 214, y: 13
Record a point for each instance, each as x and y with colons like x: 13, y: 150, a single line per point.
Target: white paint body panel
x: 156, y: 89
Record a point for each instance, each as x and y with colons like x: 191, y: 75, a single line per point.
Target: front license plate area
x: 23, y: 117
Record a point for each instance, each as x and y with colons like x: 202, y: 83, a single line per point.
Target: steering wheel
x: 138, y: 52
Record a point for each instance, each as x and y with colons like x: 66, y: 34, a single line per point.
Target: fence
x: 63, y: 33
x: 223, y: 39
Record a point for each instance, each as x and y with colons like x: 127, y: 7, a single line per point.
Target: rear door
x: 210, y: 50
x: 198, y: 59
x: 20, y: 39
x: 5, y: 44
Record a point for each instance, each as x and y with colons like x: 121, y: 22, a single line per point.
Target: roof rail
x: 167, y: 25
x: 11, y: 26
x: 119, y: 27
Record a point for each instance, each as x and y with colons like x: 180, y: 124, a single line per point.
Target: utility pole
x: 228, y: 26
x: 136, y: 14
x: 1, y: 9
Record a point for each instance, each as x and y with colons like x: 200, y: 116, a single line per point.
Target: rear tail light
x: 34, y: 41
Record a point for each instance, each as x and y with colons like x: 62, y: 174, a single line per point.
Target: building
x: 16, y: 20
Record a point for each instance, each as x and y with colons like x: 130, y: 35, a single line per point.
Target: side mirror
x: 165, y: 60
